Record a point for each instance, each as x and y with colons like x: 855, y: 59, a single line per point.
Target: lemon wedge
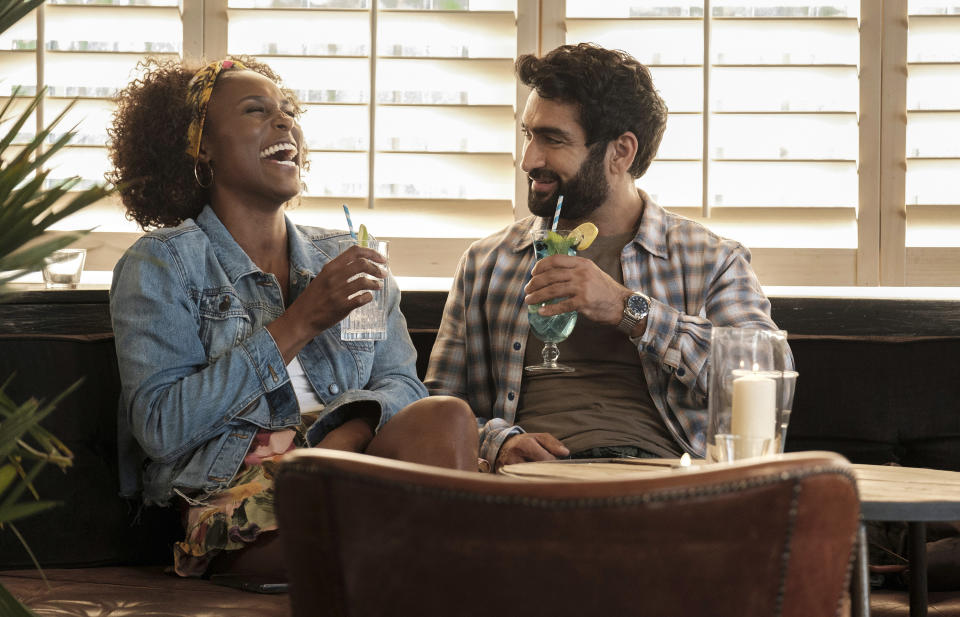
x: 363, y: 238
x: 584, y: 234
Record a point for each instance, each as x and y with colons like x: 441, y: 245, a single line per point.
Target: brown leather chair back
x: 365, y: 536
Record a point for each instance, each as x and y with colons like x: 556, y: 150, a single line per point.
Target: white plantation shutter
x: 668, y: 38
x: 90, y: 52
x: 18, y: 66
x: 932, y: 190
x: 444, y: 163
x: 444, y: 154
x: 439, y: 169
x: 773, y: 163
x: 321, y: 50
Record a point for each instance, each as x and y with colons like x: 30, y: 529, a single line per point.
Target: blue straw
x: 556, y: 215
x: 346, y: 211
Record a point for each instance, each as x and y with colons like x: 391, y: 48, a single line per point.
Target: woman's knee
x: 439, y: 430
x: 444, y: 411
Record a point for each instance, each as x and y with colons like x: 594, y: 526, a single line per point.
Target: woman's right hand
x: 329, y: 298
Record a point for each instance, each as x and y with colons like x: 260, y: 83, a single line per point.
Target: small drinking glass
x: 728, y: 448
x: 62, y: 269
x: 554, y: 329
x: 367, y: 322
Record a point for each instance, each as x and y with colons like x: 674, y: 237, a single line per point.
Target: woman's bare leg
x: 438, y: 430
x: 262, y: 558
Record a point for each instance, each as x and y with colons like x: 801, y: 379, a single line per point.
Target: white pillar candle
x: 754, y: 406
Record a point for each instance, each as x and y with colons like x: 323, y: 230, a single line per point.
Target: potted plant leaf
x: 29, y: 205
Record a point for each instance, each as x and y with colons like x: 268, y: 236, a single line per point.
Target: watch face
x: 638, y: 305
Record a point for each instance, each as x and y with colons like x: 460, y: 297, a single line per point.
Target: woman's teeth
x: 286, y: 149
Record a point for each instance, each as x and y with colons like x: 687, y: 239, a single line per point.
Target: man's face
x: 558, y: 162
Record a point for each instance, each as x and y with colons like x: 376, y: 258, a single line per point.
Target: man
x: 648, y: 290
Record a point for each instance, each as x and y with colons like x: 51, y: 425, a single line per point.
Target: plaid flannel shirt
x: 694, y: 278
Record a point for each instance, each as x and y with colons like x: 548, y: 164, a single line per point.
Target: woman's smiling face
x: 252, y: 140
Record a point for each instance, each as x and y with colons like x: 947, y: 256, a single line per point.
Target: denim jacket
x: 201, y: 374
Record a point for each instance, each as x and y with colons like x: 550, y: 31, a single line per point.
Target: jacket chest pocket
x: 335, y: 366
x: 224, y: 321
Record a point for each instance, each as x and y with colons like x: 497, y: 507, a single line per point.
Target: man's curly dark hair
x: 613, y: 92
x: 148, y: 142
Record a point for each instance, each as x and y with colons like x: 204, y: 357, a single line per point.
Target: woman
x: 226, y: 318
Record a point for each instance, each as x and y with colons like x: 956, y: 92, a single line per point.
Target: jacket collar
x: 235, y: 262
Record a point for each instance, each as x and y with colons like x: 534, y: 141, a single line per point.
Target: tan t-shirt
x: 605, y: 402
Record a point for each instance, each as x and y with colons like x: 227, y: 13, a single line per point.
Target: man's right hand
x: 527, y: 447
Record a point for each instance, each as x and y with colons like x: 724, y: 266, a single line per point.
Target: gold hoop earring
x: 196, y: 175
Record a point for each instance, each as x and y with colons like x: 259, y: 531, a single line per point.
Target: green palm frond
x: 9, y: 606
x: 12, y: 11
x: 22, y: 434
x: 26, y: 448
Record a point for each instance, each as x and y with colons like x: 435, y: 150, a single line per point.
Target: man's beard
x: 582, y: 194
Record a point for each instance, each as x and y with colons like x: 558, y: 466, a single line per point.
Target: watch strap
x: 630, y: 318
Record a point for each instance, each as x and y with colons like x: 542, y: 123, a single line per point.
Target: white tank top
x: 306, y: 397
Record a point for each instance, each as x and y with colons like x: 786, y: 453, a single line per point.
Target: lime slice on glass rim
x: 363, y: 238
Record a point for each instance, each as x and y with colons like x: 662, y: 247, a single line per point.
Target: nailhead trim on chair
x: 656, y: 496
x: 785, y: 555
x: 846, y: 582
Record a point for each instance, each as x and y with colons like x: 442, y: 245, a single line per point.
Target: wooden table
x: 890, y: 493
x: 887, y: 493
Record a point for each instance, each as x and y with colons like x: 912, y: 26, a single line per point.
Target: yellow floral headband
x: 198, y: 95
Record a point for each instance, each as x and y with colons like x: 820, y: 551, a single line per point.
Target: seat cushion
x: 135, y: 591
x: 897, y: 407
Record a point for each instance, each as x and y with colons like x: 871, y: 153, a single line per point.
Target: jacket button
x: 225, y: 303
x: 516, y: 345
x: 334, y: 388
x: 511, y: 396
x: 681, y: 372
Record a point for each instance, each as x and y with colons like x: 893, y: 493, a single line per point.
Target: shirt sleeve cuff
x: 342, y: 409
x: 492, y: 436
x: 661, y: 328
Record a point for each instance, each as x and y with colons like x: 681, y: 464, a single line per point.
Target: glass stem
x: 550, y: 353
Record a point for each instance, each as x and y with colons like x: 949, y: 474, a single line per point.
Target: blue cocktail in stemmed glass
x: 554, y: 329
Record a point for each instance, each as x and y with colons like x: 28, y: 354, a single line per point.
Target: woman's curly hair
x: 614, y: 94
x: 148, y: 142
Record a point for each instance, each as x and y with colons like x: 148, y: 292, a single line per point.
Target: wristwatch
x: 635, y: 310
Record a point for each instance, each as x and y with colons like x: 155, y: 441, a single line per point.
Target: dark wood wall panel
x: 86, y: 312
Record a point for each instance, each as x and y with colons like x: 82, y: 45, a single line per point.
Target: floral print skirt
x: 226, y: 521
